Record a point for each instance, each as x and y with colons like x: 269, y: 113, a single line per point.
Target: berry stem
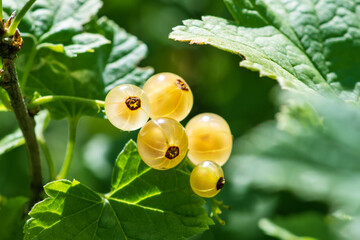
x: 48, y: 158
x: 52, y: 98
x: 12, y: 29
x: 70, y: 148
x: 216, y: 209
x: 190, y: 163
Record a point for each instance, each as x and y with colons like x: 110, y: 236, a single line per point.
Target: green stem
x: 48, y: 158
x: 12, y: 29
x: 70, y: 148
x: 52, y: 98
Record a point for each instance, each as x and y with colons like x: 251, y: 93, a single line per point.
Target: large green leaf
x: 305, y: 45
x: 16, y: 139
x: 11, y: 217
x: 311, y: 151
x: 311, y: 144
x: 143, y: 204
x: 68, y: 52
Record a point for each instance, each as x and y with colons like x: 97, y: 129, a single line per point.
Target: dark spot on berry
x: 133, y: 103
x: 172, y: 152
x: 182, y: 85
x: 220, y: 184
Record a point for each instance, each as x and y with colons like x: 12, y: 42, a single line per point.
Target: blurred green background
x: 219, y: 85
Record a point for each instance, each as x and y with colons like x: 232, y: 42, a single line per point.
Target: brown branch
x: 26, y: 122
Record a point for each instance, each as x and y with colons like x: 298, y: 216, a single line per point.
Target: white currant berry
x: 169, y: 95
x: 127, y: 107
x: 207, y: 179
x: 162, y: 143
x: 209, y: 139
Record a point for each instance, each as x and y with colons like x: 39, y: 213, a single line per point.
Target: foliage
x: 54, y: 35
x: 139, y: 206
x: 16, y: 138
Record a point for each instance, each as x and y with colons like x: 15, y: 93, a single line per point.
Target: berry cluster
x: 163, y: 142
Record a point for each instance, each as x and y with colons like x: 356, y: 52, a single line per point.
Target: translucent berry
x: 127, y: 107
x: 207, y: 179
x: 209, y: 139
x: 169, y: 96
x: 162, y: 143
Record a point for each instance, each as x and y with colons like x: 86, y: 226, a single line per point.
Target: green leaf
x: 311, y: 145
x: 275, y: 231
x: 16, y: 139
x: 305, y: 45
x: 55, y: 21
x: 11, y: 217
x: 11, y: 141
x: 3, y: 108
x: 143, y: 204
x: 123, y: 56
x: 81, y: 43
x: 68, y: 52
x: 4, y: 101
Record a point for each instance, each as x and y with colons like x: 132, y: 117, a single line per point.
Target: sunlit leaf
x: 143, y: 204
x: 305, y: 45
x: 16, y: 139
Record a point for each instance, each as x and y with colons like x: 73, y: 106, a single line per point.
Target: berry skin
x: 162, y: 143
x: 127, y: 107
x: 169, y: 95
x: 209, y: 139
x: 207, y: 179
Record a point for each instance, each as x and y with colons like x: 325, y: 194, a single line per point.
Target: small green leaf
x: 143, y: 204
x: 85, y: 42
x: 16, y: 139
x: 11, y: 217
x: 81, y: 43
x: 3, y: 108
x: 4, y: 101
x: 275, y: 231
x: 305, y: 45
x: 11, y: 141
